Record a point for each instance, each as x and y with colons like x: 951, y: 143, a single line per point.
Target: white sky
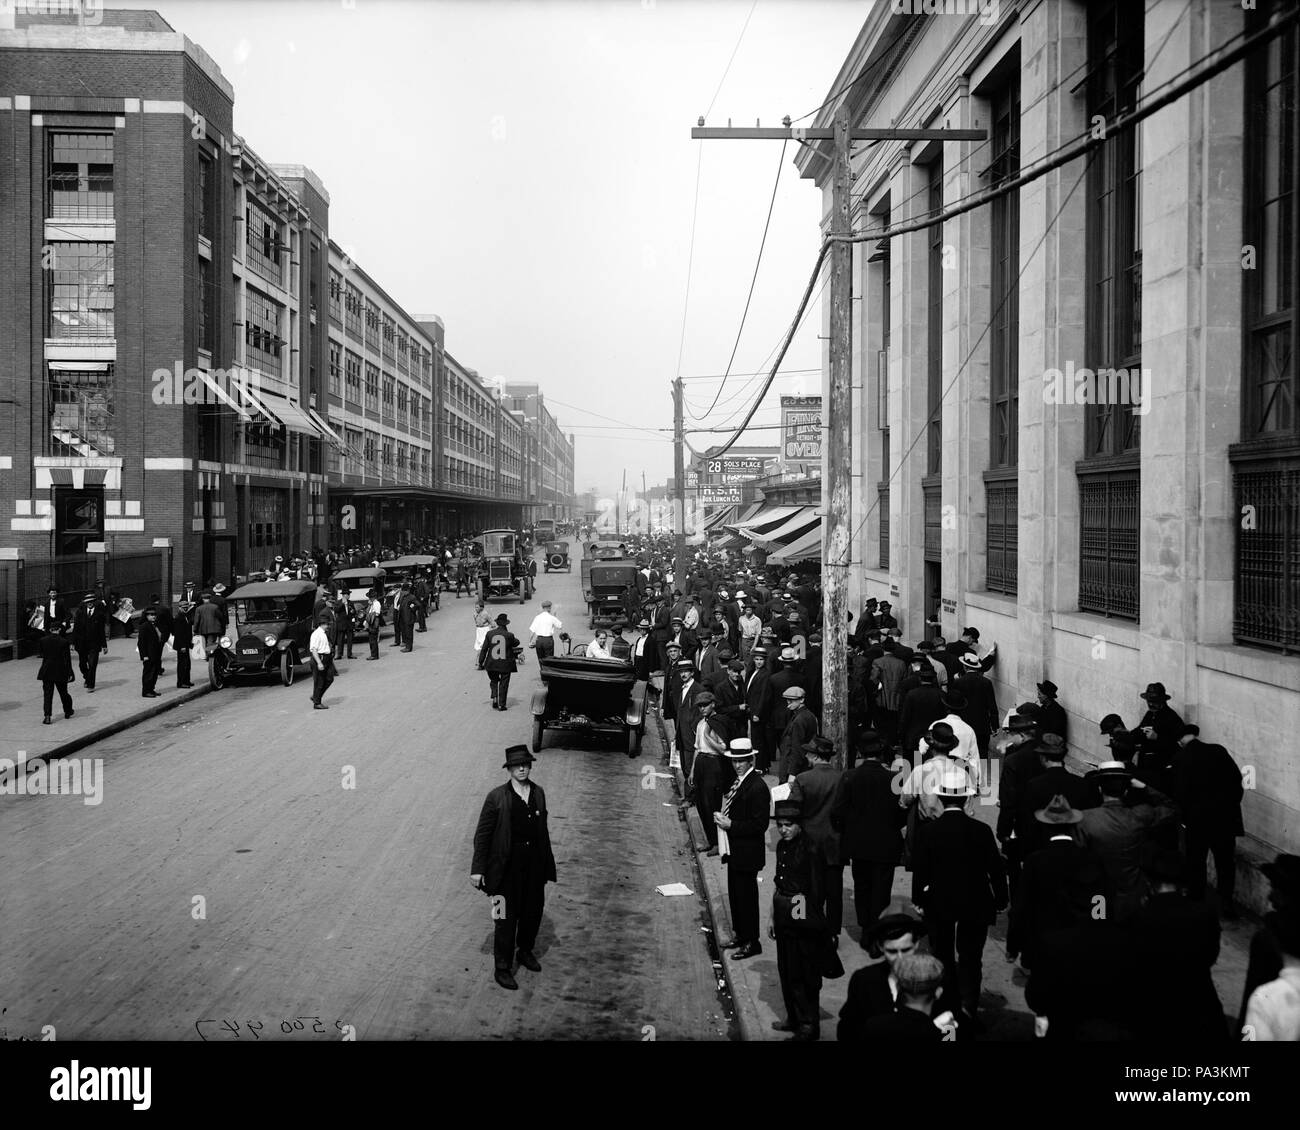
x: 525, y: 171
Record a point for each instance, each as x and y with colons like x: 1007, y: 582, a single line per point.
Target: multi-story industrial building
x: 551, y: 492
x: 191, y: 370
x: 1075, y: 422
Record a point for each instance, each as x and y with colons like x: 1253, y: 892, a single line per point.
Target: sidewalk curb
x: 107, y: 731
x: 748, y: 1021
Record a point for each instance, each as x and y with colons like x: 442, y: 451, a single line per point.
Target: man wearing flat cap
x: 798, y: 924
x: 729, y: 691
x: 742, y: 823
x: 512, y: 864
x: 498, y: 657
x: 800, y: 729
x: 817, y: 788
x: 873, y: 989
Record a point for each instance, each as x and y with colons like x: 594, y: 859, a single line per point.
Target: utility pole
x: 679, y: 489
x: 837, y: 492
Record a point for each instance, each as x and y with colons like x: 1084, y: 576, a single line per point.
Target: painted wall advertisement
x: 801, y: 433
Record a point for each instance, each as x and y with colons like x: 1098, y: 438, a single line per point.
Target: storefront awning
x: 806, y: 547
x: 225, y: 398
x: 324, y: 428
x: 776, y: 536
x: 764, y: 520
x: 716, y: 521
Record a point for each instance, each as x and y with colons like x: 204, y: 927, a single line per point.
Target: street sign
x: 714, y: 496
x: 748, y: 466
x: 692, y: 479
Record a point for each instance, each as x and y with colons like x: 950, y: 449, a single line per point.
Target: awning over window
x: 772, y: 536
x: 765, y: 519
x: 324, y: 428
x: 283, y: 411
x: 223, y: 396
x: 806, y: 547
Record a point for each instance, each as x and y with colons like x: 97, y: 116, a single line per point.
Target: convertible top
x: 581, y: 669
x: 410, y: 561
x: 287, y: 589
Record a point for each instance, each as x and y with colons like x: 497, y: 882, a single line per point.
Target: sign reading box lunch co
x: 801, y: 432
x: 714, y: 496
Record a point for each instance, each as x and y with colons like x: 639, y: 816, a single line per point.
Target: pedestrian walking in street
x: 499, y: 656
x: 800, y: 730
x: 711, y: 773
x: 55, y: 672
x: 482, y: 625
x: 873, y: 989
x: 544, y: 630
x: 408, y: 612
x: 758, y: 702
x: 90, y: 637
x: 182, y: 641
x: 959, y: 882
x: 513, y: 862
x: 742, y: 834
x: 322, y: 658
x: 920, y: 979
x: 150, y: 645
x: 798, y: 924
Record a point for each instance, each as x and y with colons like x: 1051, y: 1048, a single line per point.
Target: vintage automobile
x: 502, y: 571
x: 604, y: 583
x: 590, y: 696
x: 269, y: 630
x: 406, y: 568
x: 557, y: 556
x: 359, y: 582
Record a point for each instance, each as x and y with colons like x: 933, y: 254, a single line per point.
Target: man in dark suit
x: 1160, y: 728
x: 1208, y: 791
x: 816, y: 789
x: 800, y: 730
x: 981, y: 713
x: 513, y: 862
x: 498, y: 657
x: 54, y: 610
x: 785, y: 675
x: 920, y: 979
x: 182, y: 641
x: 869, y: 819
x: 150, y: 645
x: 1059, y: 885
x: 90, y: 637
x: 729, y: 691
x: 873, y: 989
x: 1019, y: 766
x: 922, y: 706
x: 959, y: 883
x: 420, y: 590
x: 688, y: 717
x: 1176, y: 946
x: 344, y: 630
x: 758, y: 703
x: 1052, y: 779
x: 742, y: 825
x: 1052, y: 713
x: 55, y: 672
x: 407, y: 613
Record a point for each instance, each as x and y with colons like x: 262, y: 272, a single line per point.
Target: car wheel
x: 538, y: 731
x: 287, y: 666
x: 634, y: 742
x: 216, y: 676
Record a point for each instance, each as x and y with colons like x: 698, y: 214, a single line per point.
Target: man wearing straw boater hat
x: 513, y: 862
x: 742, y: 829
x: 959, y: 883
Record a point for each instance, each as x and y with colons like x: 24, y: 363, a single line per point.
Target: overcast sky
x: 526, y: 171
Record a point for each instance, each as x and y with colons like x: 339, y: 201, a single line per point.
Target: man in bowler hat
x: 512, y: 864
x: 498, y: 657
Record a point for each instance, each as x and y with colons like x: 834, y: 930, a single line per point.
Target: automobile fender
x: 539, y: 702
x: 634, y: 716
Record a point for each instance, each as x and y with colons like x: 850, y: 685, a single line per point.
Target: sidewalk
x: 756, y: 988
x: 115, y: 704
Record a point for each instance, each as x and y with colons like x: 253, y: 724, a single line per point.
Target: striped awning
x: 795, y: 525
x: 805, y: 547
x: 764, y: 520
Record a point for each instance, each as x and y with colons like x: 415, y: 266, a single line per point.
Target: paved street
x: 325, y: 906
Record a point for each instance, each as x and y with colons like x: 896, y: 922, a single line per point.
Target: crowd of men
x: 1104, y: 870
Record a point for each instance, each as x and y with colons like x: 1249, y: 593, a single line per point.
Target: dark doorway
x: 933, y: 598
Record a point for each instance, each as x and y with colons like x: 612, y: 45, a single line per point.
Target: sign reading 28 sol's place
x: 801, y: 430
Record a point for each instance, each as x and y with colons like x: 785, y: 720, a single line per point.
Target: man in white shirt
x: 322, y: 659
x: 967, y: 748
x: 544, y: 630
